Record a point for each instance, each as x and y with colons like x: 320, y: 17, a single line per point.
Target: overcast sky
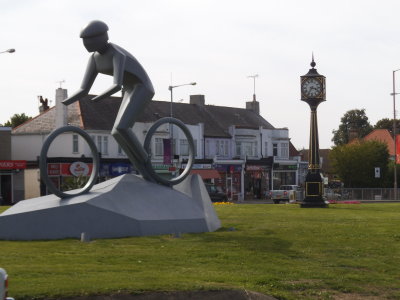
x: 218, y: 44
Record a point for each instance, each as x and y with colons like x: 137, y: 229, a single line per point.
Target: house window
x: 195, y: 147
x: 265, y: 148
x: 105, y: 145
x: 184, y: 147
x: 99, y: 144
x: 102, y: 144
x: 246, y: 149
x: 158, y: 147
x: 285, y: 150
x: 238, y: 149
x: 75, y: 143
x: 275, y: 149
x: 222, y: 148
x: 120, y: 151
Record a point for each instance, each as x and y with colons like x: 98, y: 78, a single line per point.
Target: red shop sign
x: 12, y: 164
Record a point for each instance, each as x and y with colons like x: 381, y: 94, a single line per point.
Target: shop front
x: 284, y: 174
x: 231, y: 179
x: 256, y: 181
x: 8, y: 170
x: 206, y: 172
x: 70, y: 175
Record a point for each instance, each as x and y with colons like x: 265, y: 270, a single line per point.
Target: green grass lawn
x: 281, y: 250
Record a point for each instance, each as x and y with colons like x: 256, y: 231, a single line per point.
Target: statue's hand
x: 97, y: 98
x: 75, y: 97
x: 113, y: 89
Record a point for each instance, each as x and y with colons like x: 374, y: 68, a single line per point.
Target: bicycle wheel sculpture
x: 188, y: 137
x: 43, y: 162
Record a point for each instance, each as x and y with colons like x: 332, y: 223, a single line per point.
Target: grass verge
x: 281, y: 250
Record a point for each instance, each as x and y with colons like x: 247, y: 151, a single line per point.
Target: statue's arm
x: 87, y: 82
x: 119, y: 69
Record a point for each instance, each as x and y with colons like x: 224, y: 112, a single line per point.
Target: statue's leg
x: 132, y: 106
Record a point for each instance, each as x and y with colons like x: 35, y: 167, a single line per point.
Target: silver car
x: 4, y: 285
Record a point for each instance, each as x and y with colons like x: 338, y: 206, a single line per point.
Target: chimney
x: 253, y: 105
x: 61, y: 109
x: 197, y: 99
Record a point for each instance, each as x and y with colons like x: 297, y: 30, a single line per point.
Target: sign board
x: 12, y: 164
x: 377, y: 172
x: 79, y: 168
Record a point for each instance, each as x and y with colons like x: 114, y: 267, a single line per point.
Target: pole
x: 254, y: 85
x: 394, y: 137
x: 171, y: 128
x: 171, y: 88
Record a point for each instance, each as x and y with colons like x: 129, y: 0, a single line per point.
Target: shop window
x: 75, y: 143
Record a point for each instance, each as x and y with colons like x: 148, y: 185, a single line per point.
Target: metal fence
x: 362, y: 194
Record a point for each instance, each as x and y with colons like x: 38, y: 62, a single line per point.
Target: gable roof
x: 381, y: 135
x: 102, y: 114
x: 45, y: 122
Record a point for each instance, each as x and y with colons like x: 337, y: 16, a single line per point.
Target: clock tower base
x: 314, y: 191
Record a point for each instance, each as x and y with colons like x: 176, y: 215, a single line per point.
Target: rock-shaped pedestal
x: 121, y: 207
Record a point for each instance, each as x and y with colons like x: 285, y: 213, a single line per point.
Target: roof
x: 382, y: 135
x: 102, y: 114
x: 216, y: 119
x: 45, y: 122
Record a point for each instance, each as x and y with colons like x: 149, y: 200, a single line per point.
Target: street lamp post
x: 171, y: 88
x: 8, y: 51
x: 394, y: 135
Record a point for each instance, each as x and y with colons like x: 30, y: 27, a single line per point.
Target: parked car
x: 330, y: 194
x: 4, y: 285
x: 216, y: 193
x: 286, y: 193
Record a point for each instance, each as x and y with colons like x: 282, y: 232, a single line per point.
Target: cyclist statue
x: 110, y: 59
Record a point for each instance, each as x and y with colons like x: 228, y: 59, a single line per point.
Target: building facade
x: 235, y: 148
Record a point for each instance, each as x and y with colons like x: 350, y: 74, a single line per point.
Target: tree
x: 17, y: 120
x: 353, y: 121
x: 387, y: 124
x: 355, y: 163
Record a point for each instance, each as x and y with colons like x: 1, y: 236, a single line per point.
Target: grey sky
x: 217, y: 44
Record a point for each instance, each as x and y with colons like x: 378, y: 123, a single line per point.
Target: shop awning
x: 206, y: 174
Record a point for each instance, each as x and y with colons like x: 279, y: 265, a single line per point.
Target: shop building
x: 236, y: 148
x: 11, y: 171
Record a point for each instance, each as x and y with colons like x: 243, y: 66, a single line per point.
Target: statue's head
x: 94, y: 36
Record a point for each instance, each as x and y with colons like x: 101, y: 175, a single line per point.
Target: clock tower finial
x: 313, y: 64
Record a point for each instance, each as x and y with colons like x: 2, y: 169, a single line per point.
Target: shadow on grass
x: 262, y: 241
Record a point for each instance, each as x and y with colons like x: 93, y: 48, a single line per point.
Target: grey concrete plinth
x: 121, y: 207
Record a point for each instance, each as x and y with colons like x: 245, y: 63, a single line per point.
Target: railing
x: 361, y: 194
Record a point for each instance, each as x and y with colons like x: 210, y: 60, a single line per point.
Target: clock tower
x: 313, y: 92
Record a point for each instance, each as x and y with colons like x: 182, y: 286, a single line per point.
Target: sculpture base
x: 124, y: 206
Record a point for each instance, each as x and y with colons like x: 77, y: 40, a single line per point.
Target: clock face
x: 311, y: 87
